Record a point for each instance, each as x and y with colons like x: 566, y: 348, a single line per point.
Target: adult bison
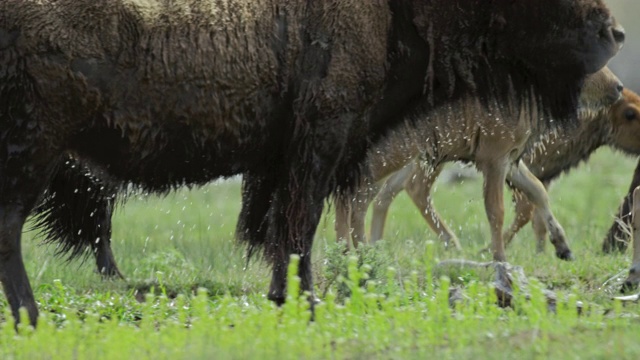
x: 290, y: 94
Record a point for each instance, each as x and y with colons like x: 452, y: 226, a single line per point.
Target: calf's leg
x: 633, y: 279
x: 520, y: 176
x: 343, y: 220
x: 351, y: 213
x: 494, y: 172
x: 393, y: 185
x: 615, y: 239
x: 524, y: 212
x: 539, y: 229
x: 418, y: 186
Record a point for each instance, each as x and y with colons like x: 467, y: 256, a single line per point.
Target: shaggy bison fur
x: 288, y: 93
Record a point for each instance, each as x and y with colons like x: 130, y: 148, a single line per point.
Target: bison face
x: 625, y: 123
x: 601, y: 90
x: 575, y: 36
x: 603, y: 38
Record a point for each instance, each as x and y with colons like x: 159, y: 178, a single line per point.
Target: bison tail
x: 75, y: 213
x: 257, y: 192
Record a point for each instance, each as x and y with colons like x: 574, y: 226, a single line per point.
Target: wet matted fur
x: 290, y: 94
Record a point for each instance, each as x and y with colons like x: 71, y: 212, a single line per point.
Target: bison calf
x: 600, y: 123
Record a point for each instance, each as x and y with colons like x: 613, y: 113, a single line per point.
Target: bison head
x: 601, y: 90
x: 574, y: 36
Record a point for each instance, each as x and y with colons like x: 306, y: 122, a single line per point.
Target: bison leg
x: 293, y: 218
x: 359, y: 213
x: 524, y: 180
x: 20, y: 186
x: 76, y: 213
x: 494, y: 173
x: 298, y: 201
x: 524, y: 212
x: 343, y: 219
x: 540, y: 230
x: 388, y: 191
x: 351, y: 212
x: 633, y: 279
x: 615, y: 239
x: 418, y: 186
x: 12, y: 272
x: 280, y: 213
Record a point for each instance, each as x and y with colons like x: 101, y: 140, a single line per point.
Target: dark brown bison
x: 290, y: 94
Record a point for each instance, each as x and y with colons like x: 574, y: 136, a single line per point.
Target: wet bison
x: 494, y: 144
x: 290, y: 94
x: 601, y: 123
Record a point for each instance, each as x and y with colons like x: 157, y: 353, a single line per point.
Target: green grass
x: 389, y: 302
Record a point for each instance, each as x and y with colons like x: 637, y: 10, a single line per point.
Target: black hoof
x: 628, y: 287
x: 110, y: 274
x: 566, y: 255
x: 278, y: 299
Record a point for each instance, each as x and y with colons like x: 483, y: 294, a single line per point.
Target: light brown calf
x: 412, y: 159
x: 467, y: 130
x: 618, y: 128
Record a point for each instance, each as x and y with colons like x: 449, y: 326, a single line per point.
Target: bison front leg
x: 633, y: 279
x: 12, y: 272
x: 293, y: 218
x: 617, y: 235
x: 494, y: 172
x: 21, y: 183
x: 312, y: 175
x: 524, y: 180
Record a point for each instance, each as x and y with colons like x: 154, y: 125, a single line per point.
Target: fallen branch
x: 506, y: 276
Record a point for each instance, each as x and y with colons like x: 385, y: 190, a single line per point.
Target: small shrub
x: 372, y: 261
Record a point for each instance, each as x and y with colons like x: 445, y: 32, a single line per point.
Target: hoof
x: 628, y: 286
x: 278, y: 299
x: 314, y: 300
x: 110, y: 274
x: 566, y: 255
